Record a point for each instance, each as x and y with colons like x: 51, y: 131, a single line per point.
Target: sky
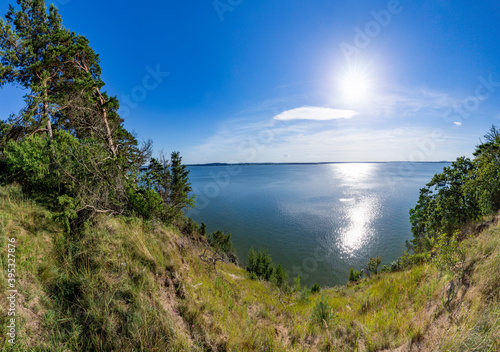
x: 296, y: 80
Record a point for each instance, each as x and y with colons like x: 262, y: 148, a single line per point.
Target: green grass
x: 103, y: 291
x: 131, y: 285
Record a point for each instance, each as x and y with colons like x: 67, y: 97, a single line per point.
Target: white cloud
x: 457, y: 123
x: 384, y: 130
x: 315, y: 113
x: 301, y: 141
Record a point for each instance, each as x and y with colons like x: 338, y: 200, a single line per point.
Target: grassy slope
x: 128, y: 285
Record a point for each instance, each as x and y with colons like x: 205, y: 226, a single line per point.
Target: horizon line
x: 317, y: 163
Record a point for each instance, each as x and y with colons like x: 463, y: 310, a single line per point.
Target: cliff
x: 126, y: 284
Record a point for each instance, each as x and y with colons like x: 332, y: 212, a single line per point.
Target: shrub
x: 315, y: 288
x: 385, y: 269
x: 373, y: 264
x: 280, y: 277
x: 322, y: 312
x: 188, y: 226
x: 260, y: 263
x: 304, y: 294
x: 296, y: 284
x: 450, y: 255
x: 408, y: 260
x: 221, y: 243
x: 354, y: 275
x: 395, y: 266
x: 144, y: 202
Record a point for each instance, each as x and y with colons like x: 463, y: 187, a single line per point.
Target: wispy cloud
x: 393, y: 125
x: 409, y: 102
x: 315, y: 113
x: 298, y: 141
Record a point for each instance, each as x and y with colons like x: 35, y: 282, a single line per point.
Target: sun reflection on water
x: 360, y: 210
x: 360, y: 217
x: 354, y: 173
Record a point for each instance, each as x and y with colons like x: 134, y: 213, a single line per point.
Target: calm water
x: 317, y: 220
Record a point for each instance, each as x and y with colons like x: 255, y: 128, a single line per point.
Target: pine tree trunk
x: 49, y: 124
x: 106, y: 124
x: 47, y: 116
x: 46, y: 111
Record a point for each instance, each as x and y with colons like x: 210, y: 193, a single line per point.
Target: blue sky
x: 296, y: 80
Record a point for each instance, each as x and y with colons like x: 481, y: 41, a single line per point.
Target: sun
x: 355, y: 86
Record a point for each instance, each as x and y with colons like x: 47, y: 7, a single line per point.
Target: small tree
x: 304, y: 294
x: 179, y: 186
x: 280, y: 277
x: 221, y: 243
x: 296, y: 284
x: 315, y: 288
x: 158, y: 177
x: 203, y: 229
x: 260, y: 263
x: 373, y: 264
x: 322, y: 312
x: 354, y: 275
x: 450, y: 255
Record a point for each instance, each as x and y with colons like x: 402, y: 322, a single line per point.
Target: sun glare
x: 355, y: 87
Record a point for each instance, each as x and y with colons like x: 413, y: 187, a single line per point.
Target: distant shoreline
x: 325, y: 162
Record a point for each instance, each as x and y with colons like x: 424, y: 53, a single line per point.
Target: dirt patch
x: 167, y: 297
x: 236, y: 277
x: 281, y: 333
x: 253, y: 311
x: 31, y: 320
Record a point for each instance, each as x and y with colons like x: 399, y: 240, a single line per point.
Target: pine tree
x: 26, y: 43
x: 280, y: 276
x: 180, y: 186
x: 68, y: 141
x: 62, y: 73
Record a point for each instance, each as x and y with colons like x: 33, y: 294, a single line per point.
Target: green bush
x: 395, y: 266
x: 373, y: 264
x: 189, y: 226
x: 221, y: 243
x: 385, y: 269
x: 408, y: 260
x: 450, y: 256
x: 315, y: 288
x: 144, y: 202
x: 296, y: 284
x: 260, y: 263
x: 322, y: 312
x: 280, y: 277
x: 304, y: 294
x: 354, y: 275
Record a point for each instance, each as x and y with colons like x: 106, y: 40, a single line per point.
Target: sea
x: 317, y: 220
